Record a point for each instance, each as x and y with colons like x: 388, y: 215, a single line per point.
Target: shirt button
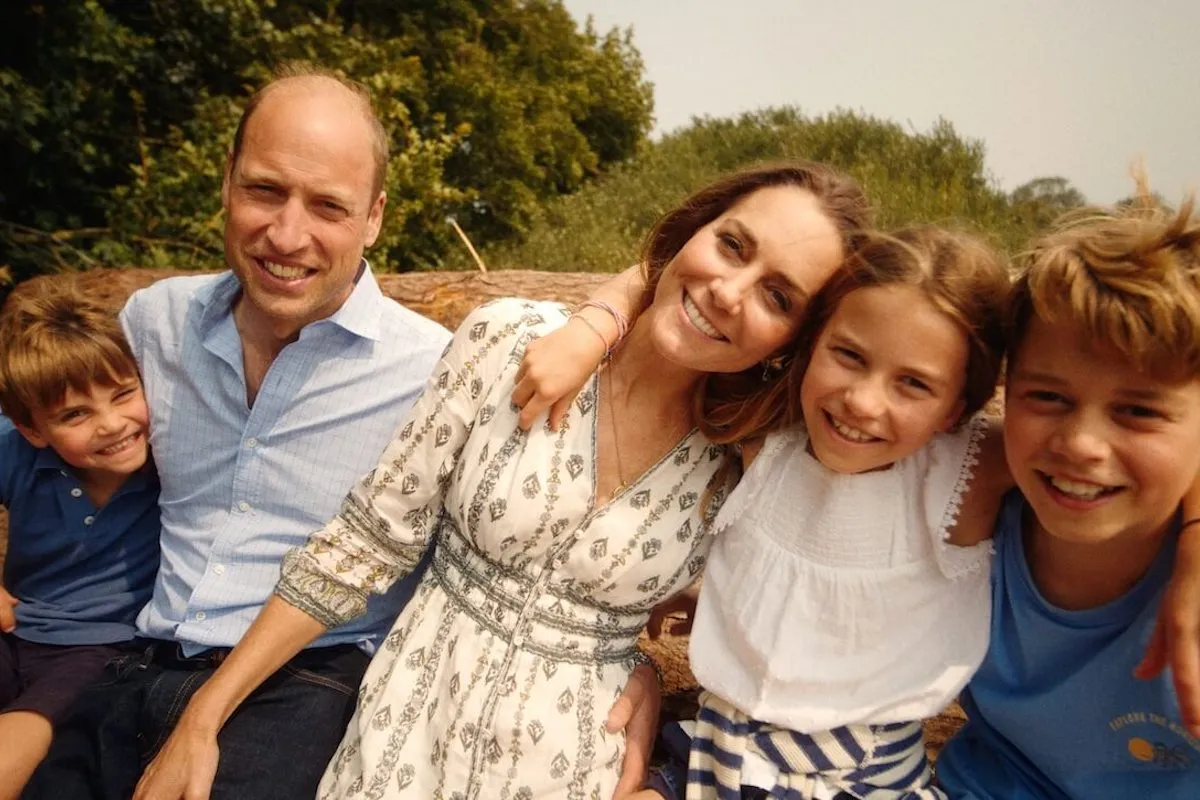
x: 77, y: 492
x: 252, y: 443
x: 201, y: 616
x: 89, y: 519
x: 243, y: 506
x: 219, y: 569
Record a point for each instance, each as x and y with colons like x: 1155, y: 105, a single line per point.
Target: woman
x: 550, y: 547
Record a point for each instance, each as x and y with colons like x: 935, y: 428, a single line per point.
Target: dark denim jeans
x: 274, y: 747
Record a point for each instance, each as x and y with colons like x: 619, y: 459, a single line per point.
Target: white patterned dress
x: 496, y: 679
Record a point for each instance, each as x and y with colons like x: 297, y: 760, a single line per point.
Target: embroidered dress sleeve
x: 388, y: 519
x: 950, y: 463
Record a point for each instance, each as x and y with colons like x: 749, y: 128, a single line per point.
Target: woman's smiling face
x: 735, y: 294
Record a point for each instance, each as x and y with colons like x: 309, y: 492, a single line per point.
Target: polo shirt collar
x: 47, y: 459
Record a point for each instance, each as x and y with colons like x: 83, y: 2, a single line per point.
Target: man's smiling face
x: 300, y: 203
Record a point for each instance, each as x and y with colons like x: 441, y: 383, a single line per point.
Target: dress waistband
x: 523, y: 607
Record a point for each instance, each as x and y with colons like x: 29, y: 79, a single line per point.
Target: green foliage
x: 1042, y: 200
x: 115, y: 117
x: 934, y: 176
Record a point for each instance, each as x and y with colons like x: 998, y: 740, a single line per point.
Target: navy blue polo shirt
x: 81, y: 573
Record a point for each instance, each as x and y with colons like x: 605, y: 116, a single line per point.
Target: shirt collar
x: 46, y: 458
x: 359, y: 315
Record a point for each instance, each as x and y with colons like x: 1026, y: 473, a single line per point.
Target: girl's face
x: 735, y: 294
x: 887, y: 373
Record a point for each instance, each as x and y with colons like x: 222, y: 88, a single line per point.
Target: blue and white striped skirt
x: 879, y: 762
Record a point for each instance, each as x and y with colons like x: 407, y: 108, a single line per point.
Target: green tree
x: 934, y: 176
x: 1042, y: 200
x: 115, y: 116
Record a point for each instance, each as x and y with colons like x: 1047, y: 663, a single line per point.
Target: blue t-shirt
x: 81, y: 573
x: 1055, y: 711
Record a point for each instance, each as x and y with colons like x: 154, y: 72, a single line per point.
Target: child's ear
x: 31, y: 435
x: 954, y: 417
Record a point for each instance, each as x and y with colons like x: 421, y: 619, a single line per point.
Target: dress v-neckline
x: 597, y: 509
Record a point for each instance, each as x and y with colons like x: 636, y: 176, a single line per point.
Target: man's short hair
x: 54, y: 337
x: 303, y: 69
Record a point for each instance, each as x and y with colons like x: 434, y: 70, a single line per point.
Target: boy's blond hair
x: 1127, y: 278
x: 53, y: 337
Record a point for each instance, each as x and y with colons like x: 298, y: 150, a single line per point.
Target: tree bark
x: 443, y: 296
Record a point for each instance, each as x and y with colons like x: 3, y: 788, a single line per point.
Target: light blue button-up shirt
x: 242, y: 485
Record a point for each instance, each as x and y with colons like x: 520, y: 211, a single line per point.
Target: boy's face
x: 101, y: 432
x: 1099, y: 449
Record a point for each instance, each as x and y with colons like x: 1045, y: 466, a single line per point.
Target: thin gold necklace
x: 612, y: 420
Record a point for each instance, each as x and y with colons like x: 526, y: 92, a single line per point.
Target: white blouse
x: 833, y: 599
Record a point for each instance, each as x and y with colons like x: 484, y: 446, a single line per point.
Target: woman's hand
x: 636, y: 710
x: 187, y: 763
x: 185, y: 766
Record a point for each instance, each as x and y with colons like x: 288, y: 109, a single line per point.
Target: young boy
x: 1102, y: 435
x: 83, y: 510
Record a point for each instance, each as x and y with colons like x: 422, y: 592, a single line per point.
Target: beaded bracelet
x: 618, y: 317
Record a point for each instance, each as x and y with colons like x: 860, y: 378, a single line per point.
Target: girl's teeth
x: 1077, y: 489
x: 853, y: 434
x: 698, y: 320
x: 285, y: 273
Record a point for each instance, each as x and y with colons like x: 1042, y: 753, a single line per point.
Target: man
x: 272, y: 389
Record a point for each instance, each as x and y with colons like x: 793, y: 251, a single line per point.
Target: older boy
x: 83, y: 510
x: 1102, y: 435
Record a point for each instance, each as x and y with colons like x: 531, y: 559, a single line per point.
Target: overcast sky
x: 1077, y: 88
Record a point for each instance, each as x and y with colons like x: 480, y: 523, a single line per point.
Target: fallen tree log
x: 443, y: 296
